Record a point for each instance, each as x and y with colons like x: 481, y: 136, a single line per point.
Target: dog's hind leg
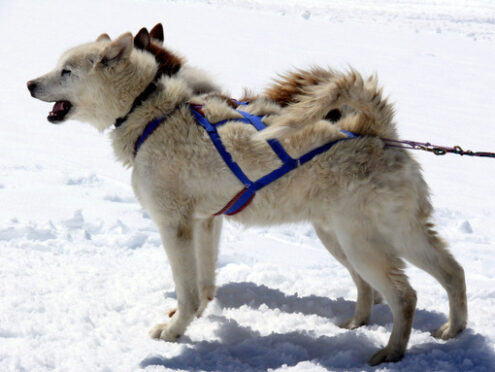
x: 369, y: 254
x: 365, y: 294
x: 425, y: 249
x: 177, y: 239
x: 206, y: 241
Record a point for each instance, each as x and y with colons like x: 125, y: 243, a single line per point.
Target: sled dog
x: 368, y: 203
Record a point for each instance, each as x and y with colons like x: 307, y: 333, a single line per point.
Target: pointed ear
x: 156, y: 33
x: 118, y: 50
x: 103, y: 37
x: 142, y: 39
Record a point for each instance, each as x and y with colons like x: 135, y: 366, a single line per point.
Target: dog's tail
x: 374, y: 113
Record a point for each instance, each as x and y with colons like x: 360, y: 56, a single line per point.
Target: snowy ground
x: 82, y: 273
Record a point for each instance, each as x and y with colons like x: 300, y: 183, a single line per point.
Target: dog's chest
x: 153, y: 182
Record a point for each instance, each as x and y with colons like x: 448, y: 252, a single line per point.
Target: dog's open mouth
x: 59, y: 111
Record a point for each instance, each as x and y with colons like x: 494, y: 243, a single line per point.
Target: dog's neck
x: 171, y: 92
x: 138, y: 101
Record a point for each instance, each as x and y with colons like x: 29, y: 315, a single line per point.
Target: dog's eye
x: 65, y: 73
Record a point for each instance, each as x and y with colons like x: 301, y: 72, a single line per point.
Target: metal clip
x: 439, y: 151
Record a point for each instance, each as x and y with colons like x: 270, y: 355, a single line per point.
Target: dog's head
x: 95, y: 82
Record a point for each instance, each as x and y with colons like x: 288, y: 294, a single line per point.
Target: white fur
x: 199, y: 81
x: 369, y: 204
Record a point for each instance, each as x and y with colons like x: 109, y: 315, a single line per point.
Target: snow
x: 83, y: 276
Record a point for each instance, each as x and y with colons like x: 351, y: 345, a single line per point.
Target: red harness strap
x: 232, y: 202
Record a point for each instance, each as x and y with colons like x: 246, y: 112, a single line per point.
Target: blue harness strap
x: 148, y: 130
x: 217, y: 141
x: 246, y: 195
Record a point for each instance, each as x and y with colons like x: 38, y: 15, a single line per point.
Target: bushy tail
x: 286, y: 89
x: 374, y: 117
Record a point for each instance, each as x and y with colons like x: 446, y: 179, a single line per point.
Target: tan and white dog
x: 369, y: 203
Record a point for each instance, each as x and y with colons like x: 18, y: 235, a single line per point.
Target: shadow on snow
x: 243, y: 349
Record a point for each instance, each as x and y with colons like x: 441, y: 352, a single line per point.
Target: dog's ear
x: 103, y: 37
x: 156, y: 33
x: 118, y: 50
x: 142, y: 39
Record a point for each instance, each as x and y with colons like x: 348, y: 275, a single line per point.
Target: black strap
x: 150, y: 88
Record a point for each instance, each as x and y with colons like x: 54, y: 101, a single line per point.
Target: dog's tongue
x: 59, y: 110
x: 60, y: 106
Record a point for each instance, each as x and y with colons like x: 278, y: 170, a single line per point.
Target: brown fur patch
x: 184, y: 232
x: 287, y: 87
x: 168, y: 63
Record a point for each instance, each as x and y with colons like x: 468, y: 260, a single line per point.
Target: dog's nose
x: 31, y: 85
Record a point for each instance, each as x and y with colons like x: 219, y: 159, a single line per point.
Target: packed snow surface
x: 83, y: 276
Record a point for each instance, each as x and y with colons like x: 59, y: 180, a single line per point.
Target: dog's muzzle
x: 60, y: 108
x: 32, y: 85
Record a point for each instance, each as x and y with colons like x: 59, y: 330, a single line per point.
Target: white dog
x: 368, y: 203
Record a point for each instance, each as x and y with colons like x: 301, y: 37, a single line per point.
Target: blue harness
x: 246, y: 195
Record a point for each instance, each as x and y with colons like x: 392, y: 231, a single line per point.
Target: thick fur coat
x: 369, y: 204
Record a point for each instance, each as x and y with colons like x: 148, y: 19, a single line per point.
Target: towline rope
x: 435, y: 149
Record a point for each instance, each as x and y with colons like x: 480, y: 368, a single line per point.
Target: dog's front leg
x: 206, y: 240
x: 178, y: 242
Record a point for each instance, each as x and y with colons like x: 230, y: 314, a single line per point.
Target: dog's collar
x: 150, y: 88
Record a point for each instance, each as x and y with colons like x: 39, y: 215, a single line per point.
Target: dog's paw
x: 207, y: 295
x: 162, y: 331
x: 447, y: 331
x: 385, y: 355
x: 204, y: 303
x: 352, y: 323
